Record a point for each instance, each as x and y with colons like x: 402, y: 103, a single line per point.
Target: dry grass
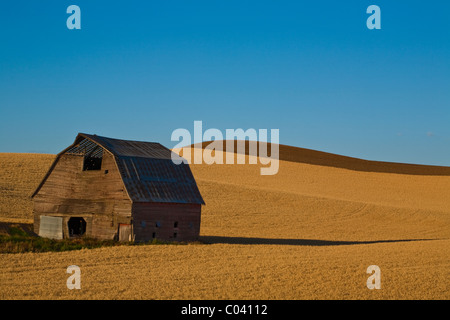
x: 309, y: 232
x: 20, y: 174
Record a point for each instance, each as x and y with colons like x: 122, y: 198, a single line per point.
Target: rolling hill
x: 308, y: 232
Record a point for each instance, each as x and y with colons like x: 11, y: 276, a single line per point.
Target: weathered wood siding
x: 98, y: 196
x: 158, y: 219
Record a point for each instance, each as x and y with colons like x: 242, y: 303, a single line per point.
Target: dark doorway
x: 77, y: 227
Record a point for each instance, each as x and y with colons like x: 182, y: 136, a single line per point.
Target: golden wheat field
x: 308, y: 232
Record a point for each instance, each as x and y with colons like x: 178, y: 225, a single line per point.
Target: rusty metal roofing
x: 158, y: 180
x: 128, y: 148
x: 86, y: 147
x: 146, y: 168
x: 148, y: 172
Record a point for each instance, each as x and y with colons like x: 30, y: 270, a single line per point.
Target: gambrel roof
x: 146, y: 168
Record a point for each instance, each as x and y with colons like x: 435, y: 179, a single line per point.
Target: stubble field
x: 309, y: 232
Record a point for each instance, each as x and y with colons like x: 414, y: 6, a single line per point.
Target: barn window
x: 175, y: 224
x: 77, y: 226
x: 174, y: 234
x: 158, y: 224
x: 154, y: 235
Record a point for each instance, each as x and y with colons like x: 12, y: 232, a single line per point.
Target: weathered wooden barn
x: 116, y: 189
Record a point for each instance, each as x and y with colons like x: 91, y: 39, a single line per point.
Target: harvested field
x: 309, y: 232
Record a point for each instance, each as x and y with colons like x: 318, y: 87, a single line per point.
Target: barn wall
x: 99, y: 197
x: 146, y: 216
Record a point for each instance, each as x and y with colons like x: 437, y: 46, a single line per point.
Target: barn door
x: 124, y: 232
x: 51, y: 227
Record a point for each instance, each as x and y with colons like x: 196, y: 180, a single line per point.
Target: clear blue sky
x: 139, y: 70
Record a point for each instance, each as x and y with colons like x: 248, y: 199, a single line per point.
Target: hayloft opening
x: 91, y: 163
x: 92, y: 152
x: 77, y: 226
